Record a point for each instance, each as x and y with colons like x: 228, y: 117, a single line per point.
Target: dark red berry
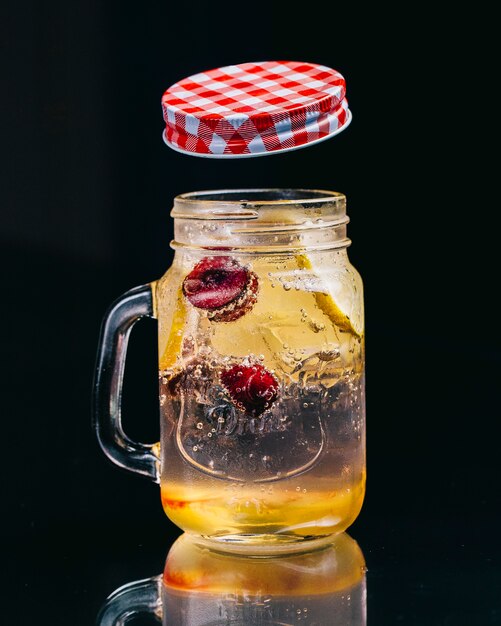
x: 251, y: 387
x: 221, y: 286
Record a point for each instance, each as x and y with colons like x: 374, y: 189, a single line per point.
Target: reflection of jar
x: 261, y: 368
x: 201, y: 587
x: 204, y: 588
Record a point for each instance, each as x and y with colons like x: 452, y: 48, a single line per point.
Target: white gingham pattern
x: 254, y: 108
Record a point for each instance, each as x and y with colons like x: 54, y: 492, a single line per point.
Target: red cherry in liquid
x: 252, y: 387
x: 223, y: 287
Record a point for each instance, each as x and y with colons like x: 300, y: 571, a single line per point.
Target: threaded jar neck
x: 260, y: 220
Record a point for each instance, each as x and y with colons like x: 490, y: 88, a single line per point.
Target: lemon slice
x: 175, y: 339
x: 324, y: 300
x: 326, y: 303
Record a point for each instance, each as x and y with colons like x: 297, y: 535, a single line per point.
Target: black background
x: 85, y: 216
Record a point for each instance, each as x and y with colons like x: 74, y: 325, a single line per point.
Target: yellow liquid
x: 299, y: 470
x: 293, y: 320
x: 243, y: 509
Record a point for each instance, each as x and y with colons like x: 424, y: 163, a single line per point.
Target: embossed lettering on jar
x: 261, y: 349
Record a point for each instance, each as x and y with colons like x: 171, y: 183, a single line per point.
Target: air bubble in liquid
x: 328, y: 355
x: 316, y: 327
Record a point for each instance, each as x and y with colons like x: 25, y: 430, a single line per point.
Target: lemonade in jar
x: 261, y: 367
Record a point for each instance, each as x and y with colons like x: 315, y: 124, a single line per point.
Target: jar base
x: 255, y: 545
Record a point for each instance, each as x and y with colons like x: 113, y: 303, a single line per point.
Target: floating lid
x: 254, y: 109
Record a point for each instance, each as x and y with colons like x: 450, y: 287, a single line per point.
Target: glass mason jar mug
x: 261, y: 369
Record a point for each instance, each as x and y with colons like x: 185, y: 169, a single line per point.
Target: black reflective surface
x: 434, y: 574
x: 86, y: 190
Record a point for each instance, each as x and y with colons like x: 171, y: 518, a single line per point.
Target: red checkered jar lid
x: 254, y: 109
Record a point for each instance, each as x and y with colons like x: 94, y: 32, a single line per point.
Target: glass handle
x: 141, y: 596
x: 115, y: 330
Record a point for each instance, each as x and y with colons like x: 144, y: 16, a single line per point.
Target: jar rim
x: 258, y: 197
x: 261, y: 219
